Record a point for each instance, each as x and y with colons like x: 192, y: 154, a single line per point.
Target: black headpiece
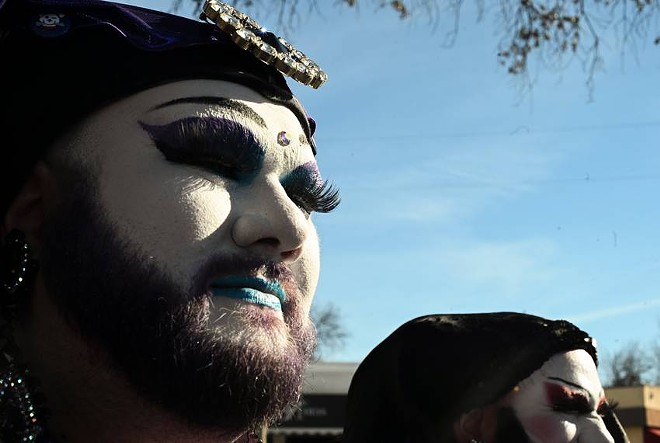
x: 62, y: 59
x: 434, y: 368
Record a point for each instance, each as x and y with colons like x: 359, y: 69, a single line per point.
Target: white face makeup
x: 193, y: 170
x: 561, y: 402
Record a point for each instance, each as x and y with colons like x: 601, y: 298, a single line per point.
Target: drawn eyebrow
x: 230, y: 104
x: 567, y: 382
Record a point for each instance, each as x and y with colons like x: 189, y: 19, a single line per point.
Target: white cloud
x: 506, y: 268
x: 445, y: 185
x: 615, y: 311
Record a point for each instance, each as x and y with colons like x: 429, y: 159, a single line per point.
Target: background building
x: 638, y: 408
x: 320, y: 417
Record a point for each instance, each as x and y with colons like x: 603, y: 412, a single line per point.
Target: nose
x: 270, y: 224
x: 595, y: 432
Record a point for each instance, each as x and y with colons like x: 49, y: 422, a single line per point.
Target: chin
x: 238, y: 316
x: 231, y: 366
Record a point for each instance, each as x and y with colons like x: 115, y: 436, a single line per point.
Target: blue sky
x: 459, y: 195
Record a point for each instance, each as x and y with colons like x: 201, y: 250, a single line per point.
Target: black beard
x: 159, y: 336
x: 509, y: 428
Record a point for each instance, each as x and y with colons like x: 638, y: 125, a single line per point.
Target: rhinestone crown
x: 266, y: 46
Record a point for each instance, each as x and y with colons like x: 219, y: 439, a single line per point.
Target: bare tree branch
x: 330, y: 332
x: 629, y: 366
x: 551, y: 34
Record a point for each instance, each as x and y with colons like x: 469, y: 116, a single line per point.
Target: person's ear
x: 468, y: 427
x: 27, y: 211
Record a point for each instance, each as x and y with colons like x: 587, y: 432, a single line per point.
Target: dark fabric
x: 62, y: 59
x: 651, y: 435
x: 614, y: 426
x: 434, y: 368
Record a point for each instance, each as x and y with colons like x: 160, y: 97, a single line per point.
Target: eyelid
x: 567, y: 400
x: 572, y: 406
x: 220, y: 145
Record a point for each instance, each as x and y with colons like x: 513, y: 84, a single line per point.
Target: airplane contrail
x: 614, y: 311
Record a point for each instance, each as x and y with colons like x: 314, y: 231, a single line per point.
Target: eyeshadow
x: 564, y: 399
x: 218, y: 144
x: 307, y: 174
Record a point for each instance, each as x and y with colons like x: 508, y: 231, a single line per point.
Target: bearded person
x: 158, y: 257
x: 500, y: 377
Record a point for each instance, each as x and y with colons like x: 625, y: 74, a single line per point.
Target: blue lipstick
x: 250, y: 289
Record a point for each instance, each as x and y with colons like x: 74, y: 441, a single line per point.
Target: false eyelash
x: 607, y: 408
x: 320, y: 196
x: 326, y: 196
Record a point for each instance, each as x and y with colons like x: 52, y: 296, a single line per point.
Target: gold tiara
x: 266, y: 46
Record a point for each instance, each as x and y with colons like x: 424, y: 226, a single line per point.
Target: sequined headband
x: 263, y: 44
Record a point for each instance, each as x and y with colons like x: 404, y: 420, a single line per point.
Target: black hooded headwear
x: 434, y: 368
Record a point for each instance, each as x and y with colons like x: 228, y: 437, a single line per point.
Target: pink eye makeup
x: 564, y: 399
x: 570, y: 398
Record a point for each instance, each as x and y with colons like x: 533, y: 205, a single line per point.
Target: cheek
x: 307, y: 268
x: 204, y: 212
x: 166, y: 216
x: 175, y: 212
x: 144, y: 192
x: 549, y: 429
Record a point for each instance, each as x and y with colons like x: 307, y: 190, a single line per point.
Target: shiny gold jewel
x: 263, y: 44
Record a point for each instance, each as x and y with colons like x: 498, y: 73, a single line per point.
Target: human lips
x: 254, y: 290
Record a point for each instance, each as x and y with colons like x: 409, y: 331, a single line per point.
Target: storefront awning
x: 316, y: 412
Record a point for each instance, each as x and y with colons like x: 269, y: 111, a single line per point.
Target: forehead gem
x: 282, y: 139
